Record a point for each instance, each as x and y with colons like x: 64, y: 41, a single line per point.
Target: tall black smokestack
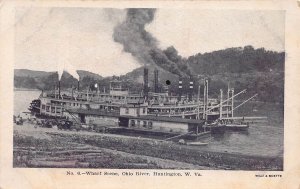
x: 179, y: 88
x: 191, y: 89
x: 72, y: 92
x: 78, y: 85
x: 146, y: 82
x: 156, y: 80
x: 59, y: 89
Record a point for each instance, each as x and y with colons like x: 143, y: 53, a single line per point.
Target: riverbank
x: 42, y: 147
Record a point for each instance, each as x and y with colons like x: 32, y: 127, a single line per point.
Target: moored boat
x: 237, y: 127
x: 215, y: 128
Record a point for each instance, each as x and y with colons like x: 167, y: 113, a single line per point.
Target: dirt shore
x: 47, y: 147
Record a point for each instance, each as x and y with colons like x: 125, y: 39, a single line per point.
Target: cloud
x: 53, y: 39
x: 193, y: 31
x: 71, y: 38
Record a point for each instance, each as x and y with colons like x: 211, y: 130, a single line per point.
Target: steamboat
x: 151, y: 111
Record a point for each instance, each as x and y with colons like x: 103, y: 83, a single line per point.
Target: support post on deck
x: 227, y: 103
x: 221, y: 103
x: 198, y: 103
x: 204, y: 99
x: 232, y: 101
x: 206, y: 115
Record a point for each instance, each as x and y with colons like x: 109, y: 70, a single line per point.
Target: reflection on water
x: 261, y: 139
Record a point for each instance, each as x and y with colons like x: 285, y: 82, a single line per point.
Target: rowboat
x: 239, y: 127
x: 196, y: 143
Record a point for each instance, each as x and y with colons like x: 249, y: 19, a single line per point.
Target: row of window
x: 127, y: 111
x: 115, y: 97
x: 138, y: 123
x: 65, y: 103
x: 47, y: 108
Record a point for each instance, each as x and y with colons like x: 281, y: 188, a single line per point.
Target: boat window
x: 150, y: 124
x: 138, y: 122
x: 144, y: 123
x: 43, y: 106
x: 127, y: 111
x: 144, y: 110
x: 132, y: 123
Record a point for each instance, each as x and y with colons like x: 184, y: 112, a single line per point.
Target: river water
x: 264, y: 139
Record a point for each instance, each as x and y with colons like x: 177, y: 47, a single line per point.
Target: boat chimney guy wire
x: 243, y: 91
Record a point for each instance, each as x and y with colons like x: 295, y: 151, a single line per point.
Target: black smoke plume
x: 142, y: 45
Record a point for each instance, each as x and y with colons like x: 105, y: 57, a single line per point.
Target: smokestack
x: 59, y: 89
x: 191, y: 88
x: 146, y: 82
x: 180, y: 88
x: 167, y: 89
x: 72, y: 92
x: 156, y: 80
x: 78, y: 84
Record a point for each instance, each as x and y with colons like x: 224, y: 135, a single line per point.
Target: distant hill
x: 83, y: 74
x: 31, y: 79
x: 257, y: 70
x: 31, y: 73
x: 41, y: 74
x: 237, y: 60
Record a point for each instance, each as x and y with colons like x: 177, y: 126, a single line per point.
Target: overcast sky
x: 81, y: 38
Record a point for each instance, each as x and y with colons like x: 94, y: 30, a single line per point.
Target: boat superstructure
x: 158, y: 111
